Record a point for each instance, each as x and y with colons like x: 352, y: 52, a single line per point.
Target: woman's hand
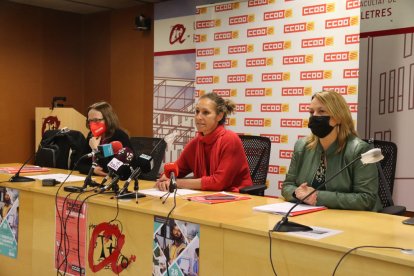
x: 303, y: 190
x: 94, y: 142
x: 163, y: 183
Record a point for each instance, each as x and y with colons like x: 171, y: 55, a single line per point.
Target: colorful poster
x: 176, y: 247
x: 9, y: 221
x: 70, y: 236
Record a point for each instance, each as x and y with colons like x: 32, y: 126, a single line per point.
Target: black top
x: 85, y: 164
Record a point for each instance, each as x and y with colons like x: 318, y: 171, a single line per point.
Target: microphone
x: 124, y: 156
x: 16, y: 177
x: 171, y: 170
x: 284, y: 225
x: 103, y: 151
x: 144, y: 164
x: 122, y: 173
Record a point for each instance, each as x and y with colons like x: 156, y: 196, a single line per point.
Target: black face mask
x: 319, y: 125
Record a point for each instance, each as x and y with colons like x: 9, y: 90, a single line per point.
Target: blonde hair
x: 338, y: 109
x: 225, y: 106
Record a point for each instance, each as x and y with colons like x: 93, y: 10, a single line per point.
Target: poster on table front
x: 176, y: 246
x: 9, y: 221
x: 70, y: 249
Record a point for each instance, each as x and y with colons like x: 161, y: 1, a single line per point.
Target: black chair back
x: 386, y: 174
x: 152, y: 146
x: 257, y: 149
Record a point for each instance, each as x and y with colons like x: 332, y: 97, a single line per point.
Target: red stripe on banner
x: 175, y: 52
x: 387, y: 32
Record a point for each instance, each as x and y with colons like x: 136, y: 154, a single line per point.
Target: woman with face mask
x: 331, y: 146
x: 104, y: 128
x: 215, y: 156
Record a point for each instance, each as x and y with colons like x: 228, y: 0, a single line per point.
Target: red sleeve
x: 186, y: 160
x: 232, y: 162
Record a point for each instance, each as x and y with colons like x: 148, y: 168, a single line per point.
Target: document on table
x: 283, y: 207
x: 317, y: 233
x: 157, y: 193
x: 59, y: 177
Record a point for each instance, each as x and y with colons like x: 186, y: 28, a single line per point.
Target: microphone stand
x: 16, y: 177
x: 284, y: 225
x: 87, y: 182
x: 171, y: 189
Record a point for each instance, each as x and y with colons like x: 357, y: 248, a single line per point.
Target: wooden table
x: 233, y: 238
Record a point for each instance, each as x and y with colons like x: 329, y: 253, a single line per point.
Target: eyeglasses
x: 96, y: 120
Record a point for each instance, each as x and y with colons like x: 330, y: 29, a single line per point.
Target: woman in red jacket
x: 215, y: 156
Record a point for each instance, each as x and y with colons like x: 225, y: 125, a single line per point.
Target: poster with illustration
x: 9, y: 221
x: 175, y: 247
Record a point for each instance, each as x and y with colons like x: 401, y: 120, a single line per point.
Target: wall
x: 46, y: 53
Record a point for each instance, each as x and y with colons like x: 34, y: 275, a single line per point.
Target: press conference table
x: 233, y: 238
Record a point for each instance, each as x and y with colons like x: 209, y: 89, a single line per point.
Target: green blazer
x: 356, y: 188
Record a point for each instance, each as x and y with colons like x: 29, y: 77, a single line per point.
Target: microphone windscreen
x: 125, y: 155
x: 145, y: 162
x: 124, y: 171
x: 116, y: 146
x: 170, y: 168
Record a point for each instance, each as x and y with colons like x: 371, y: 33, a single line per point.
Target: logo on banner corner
x: 177, y: 34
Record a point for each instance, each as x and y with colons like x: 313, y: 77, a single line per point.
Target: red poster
x: 70, y: 236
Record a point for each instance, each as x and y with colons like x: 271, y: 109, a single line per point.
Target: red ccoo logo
x: 338, y: 23
x: 255, y: 62
x: 237, y: 49
x: 223, y: 35
x: 222, y: 64
x: 285, y: 154
x: 237, y: 78
x: 257, y: 32
x: 293, y: 91
x: 352, y: 39
x: 340, y: 89
x: 222, y: 92
x: 255, y: 92
x: 351, y: 73
x: 294, y: 28
x: 292, y: 123
x: 274, y: 138
x: 203, y: 24
x: 313, y: 42
x: 312, y: 75
x: 205, y: 80
x: 274, y: 15
x: 304, y: 107
x: 254, y: 3
x: 271, y: 107
x: 353, y: 107
x: 205, y: 52
x: 352, y: 4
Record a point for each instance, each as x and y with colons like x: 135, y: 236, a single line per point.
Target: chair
x: 257, y: 149
x: 60, y: 150
x: 155, y: 147
x: 386, y: 172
